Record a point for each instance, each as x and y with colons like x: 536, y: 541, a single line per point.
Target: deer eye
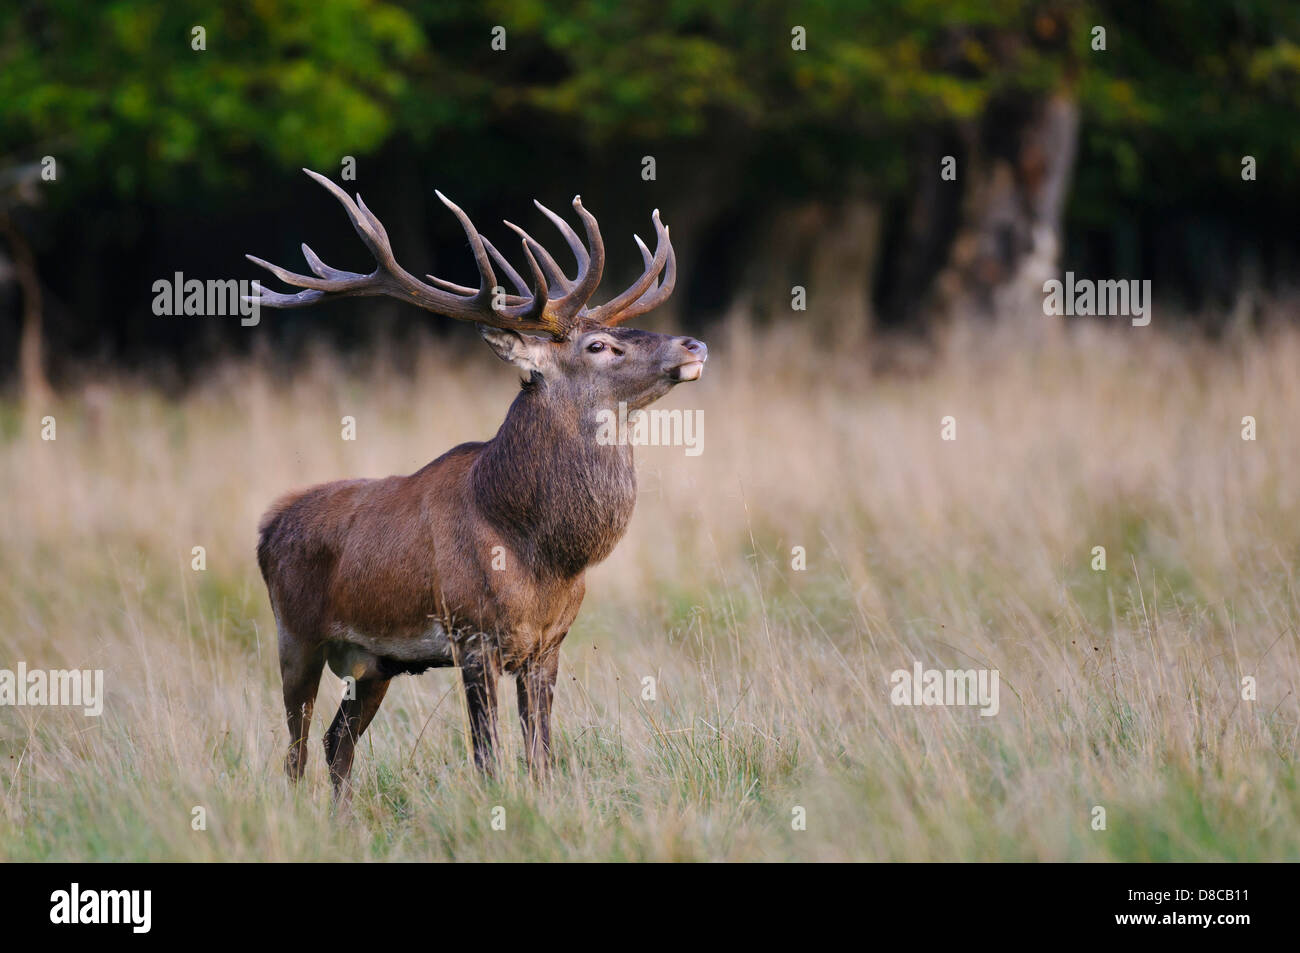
x: 595, y: 346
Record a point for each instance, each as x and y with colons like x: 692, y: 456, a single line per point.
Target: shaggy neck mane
x: 544, y: 480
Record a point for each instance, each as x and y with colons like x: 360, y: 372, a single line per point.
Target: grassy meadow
x: 1119, y: 688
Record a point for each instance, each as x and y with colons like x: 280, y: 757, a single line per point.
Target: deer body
x: 471, y: 543
x: 478, y: 559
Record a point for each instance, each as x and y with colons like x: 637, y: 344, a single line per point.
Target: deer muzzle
x: 695, y: 354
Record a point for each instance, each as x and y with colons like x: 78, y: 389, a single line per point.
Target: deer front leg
x: 480, y: 677
x: 536, y: 687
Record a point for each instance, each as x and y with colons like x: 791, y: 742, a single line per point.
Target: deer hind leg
x: 480, y: 676
x: 300, y: 670
x: 353, y: 718
x: 535, y: 685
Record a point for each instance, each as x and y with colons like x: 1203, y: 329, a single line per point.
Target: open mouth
x: 690, y: 371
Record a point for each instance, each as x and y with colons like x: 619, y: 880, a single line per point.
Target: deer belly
x: 384, y: 655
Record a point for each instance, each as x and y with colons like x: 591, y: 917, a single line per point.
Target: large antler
x: 555, y: 305
x: 643, y: 295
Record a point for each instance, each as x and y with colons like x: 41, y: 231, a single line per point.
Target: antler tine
x: 515, y: 278
x: 554, y: 273
x: 655, y: 296
x: 590, y: 267
x: 620, y: 309
x: 276, y: 299
x: 530, y: 312
x: 537, y: 306
x: 322, y: 269
x: 343, y: 284
x: 376, y: 243
x: 502, y: 262
x: 523, y: 312
x: 573, y: 294
x: 303, y: 298
x: 487, y: 280
x: 570, y: 236
x: 446, y: 285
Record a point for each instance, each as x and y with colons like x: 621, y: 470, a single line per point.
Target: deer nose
x: 698, y: 348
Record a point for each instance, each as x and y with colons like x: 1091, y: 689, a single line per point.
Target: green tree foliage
x: 116, y: 88
x: 1185, y: 90
x: 117, y: 91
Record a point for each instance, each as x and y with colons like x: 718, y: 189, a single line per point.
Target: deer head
x: 548, y: 332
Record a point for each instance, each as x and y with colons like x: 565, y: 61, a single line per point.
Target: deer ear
x: 524, y: 351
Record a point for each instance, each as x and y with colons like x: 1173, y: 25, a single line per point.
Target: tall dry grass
x: 1120, y: 689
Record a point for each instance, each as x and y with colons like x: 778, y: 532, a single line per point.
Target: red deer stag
x: 385, y: 576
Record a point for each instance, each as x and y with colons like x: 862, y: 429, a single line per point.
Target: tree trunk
x: 31, y: 348
x: 1017, y: 171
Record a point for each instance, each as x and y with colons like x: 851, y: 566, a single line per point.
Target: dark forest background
x: 774, y: 166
